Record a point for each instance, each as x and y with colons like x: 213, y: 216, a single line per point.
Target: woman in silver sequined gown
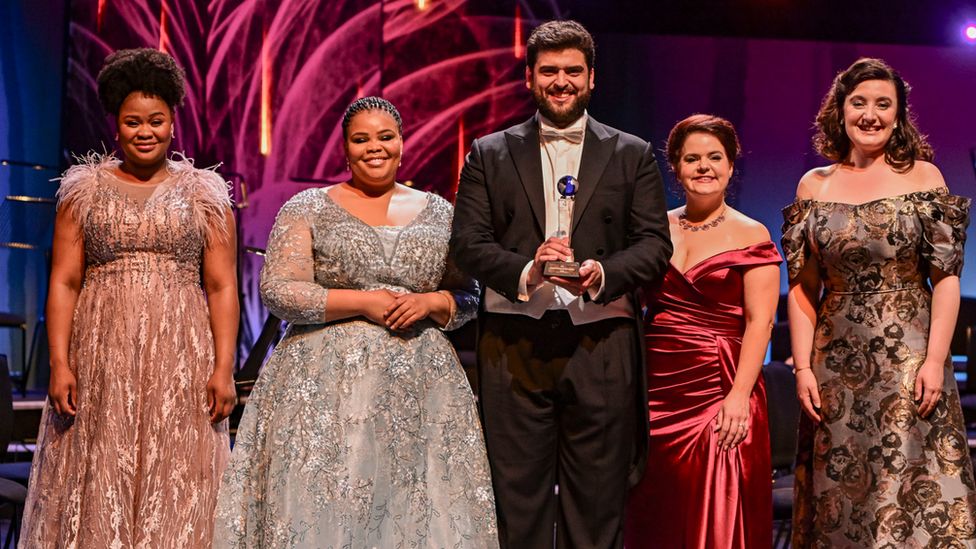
x: 362, y: 429
x: 133, y: 440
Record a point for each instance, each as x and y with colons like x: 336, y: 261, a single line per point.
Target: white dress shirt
x: 561, y: 151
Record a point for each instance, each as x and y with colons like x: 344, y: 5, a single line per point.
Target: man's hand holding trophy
x: 567, y: 187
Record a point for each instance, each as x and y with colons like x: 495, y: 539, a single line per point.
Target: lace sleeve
x: 462, y: 289
x: 465, y: 292
x: 288, y: 286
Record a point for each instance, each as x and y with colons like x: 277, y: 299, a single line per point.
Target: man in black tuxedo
x: 561, y: 378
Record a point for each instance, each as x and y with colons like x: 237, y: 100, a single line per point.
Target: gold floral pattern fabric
x: 355, y: 436
x: 139, y: 465
x: 873, y: 473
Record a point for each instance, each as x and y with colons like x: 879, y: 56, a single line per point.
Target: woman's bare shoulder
x: 745, y: 230
x: 813, y: 181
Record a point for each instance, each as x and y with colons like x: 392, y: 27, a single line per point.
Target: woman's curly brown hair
x: 141, y: 69
x: 906, y: 144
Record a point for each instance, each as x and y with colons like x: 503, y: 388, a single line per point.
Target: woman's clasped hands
x: 401, y: 310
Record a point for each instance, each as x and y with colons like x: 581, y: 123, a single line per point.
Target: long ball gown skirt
x: 873, y: 473
x: 140, y: 463
x: 355, y: 436
x: 693, y: 495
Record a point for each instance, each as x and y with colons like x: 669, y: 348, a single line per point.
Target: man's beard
x: 563, y: 119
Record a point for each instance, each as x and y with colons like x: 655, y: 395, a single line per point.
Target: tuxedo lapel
x: 523, y: 144
x: 598, y: 146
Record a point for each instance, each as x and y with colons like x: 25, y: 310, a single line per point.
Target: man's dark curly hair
x: 906, y: 144
x: 560, y: 35
x: 147, y: 70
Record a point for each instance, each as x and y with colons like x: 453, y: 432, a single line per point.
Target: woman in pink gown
x: 707, y: 483
x: 142, y: 321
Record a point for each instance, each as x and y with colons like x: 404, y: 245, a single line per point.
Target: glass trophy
x: 567, y: 187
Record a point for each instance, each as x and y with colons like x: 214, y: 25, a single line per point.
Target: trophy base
x: 562, y: 269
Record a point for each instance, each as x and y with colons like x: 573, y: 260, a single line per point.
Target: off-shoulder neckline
x: 934, y: 190
x: 760, y: 244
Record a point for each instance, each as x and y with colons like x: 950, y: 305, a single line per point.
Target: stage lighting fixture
x: 969, y: 32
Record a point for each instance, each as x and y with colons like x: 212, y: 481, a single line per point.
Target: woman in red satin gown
x: 707, y: 483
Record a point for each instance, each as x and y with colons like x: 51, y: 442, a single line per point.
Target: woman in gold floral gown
x: 874, y: 244
x: 133, y: 440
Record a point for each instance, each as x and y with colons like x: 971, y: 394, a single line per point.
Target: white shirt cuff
x: 595, y: 292
x: 523, y: 287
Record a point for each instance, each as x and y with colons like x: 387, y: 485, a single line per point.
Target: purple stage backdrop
x: 771, y: 90
x: 269, y: 80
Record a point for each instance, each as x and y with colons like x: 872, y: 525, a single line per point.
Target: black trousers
x: 557, y: 402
